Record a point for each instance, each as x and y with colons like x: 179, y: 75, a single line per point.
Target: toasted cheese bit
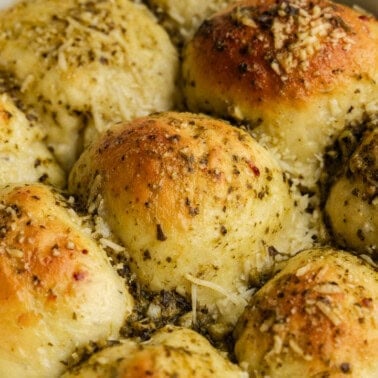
x: 70, y: 245
x: 267, y: 324
x: 295, y: 347
x: 329, y: 313
x: 55, y: 252
x: 300, y: 31
x: 327, y: 288
x: 15, y: 252
x: 277, y: 346
x: 303, y: 270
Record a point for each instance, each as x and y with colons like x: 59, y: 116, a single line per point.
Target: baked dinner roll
x: 182, y: 18
x: 352, y: 203
x: 297, y: 71
x: 171, y: 352
x: 199, y: 204
x: 318, y: 317
x: 58, y: 291
x: 84, y: 64
x: 24, y: 157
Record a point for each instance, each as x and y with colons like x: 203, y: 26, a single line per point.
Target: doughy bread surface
x: 317, y: 317
x: 297, y: 73
x: 85, y: 64
x: 199, y: 218
x: 352, y: 205
x: 196, y: 202
x: 58, y: 290
x: 171, y: 352
x: 24, y: 157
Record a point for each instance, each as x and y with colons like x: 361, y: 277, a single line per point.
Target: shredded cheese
x: 232, y: 297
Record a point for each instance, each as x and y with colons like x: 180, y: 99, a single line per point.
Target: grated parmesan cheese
x: 232, y: 297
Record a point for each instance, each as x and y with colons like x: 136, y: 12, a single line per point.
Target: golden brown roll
x: 198, y: 204
x: 58, y: 291
x: 298, y: 71
x: 316, y: 318
x: 352, y: 203
x: 24, y: 157
x: 84, y: 64
x: 171, y: 352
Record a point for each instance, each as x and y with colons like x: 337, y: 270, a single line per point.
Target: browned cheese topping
x: 22, y: 233
x: 298, y: 29
x: 303, y: 44
x: 320, y: 314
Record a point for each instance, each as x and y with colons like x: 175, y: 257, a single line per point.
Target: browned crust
x: 322, y: 311
x: 229, y: 54
x: 40, y: 255
x: 172, y: 163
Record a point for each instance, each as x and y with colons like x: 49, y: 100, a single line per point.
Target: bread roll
x: 58, y: 291
x: 171, y: 352
x: 297, y: 71
x: 318, y: 317
x: 84, y: 64
x: 352, y: 205
x: 198, y: 204
x: 24, y: 157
